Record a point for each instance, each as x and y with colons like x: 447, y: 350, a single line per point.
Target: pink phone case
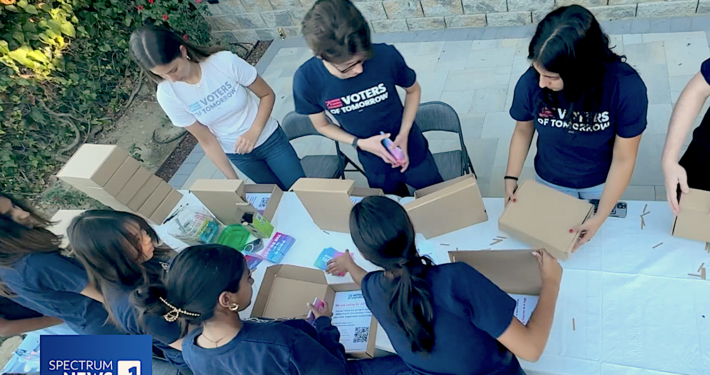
x: 319, y: 305
x: 396, y: 152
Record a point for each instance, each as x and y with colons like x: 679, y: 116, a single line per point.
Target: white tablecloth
x: 636, y: 309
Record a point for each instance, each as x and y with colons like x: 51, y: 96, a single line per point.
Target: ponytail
x: 411, y: 303
x: 153, y: 300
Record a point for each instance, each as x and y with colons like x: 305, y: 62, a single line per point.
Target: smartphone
x: 319, y: 305
x: 618, y: 211
x: 395, y: 151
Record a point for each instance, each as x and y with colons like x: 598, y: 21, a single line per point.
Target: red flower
x: 151, y: 1
x: 184, y: 36
x: 198, y: 1
x: 165, y: 17
x: 140, y: 7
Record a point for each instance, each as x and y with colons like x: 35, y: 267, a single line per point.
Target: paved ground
x: 475, y: 71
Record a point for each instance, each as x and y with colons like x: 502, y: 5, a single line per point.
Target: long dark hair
x: 153, y: 46
x: 336, y: 31
x: 384, y: 234
x: 103, y: 242
x: 17, y: 240
x: 212, y: 269
x: 569, y: 41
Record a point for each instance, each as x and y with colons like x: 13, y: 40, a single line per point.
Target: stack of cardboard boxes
x: 110, y: 175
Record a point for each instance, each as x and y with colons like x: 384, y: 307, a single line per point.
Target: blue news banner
x: 95, y: 355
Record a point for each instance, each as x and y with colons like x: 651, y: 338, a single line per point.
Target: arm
x: 684, y: 114
x: 329, y: 337
x: 332, y: 131
x: 17, y: 327
x: 411, y: 105
x: 213, y: 149
x: 622, y: 167
x: 93, y: 293
x: 345, y: 263
x: 528, y: 342
x: 309, y: 356
x: 246, y: 142
x: 519, y: 148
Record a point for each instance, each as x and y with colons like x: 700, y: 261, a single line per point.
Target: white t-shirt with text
x: 219, y: 101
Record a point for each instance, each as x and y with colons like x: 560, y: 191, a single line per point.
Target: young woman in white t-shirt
x: 205, y: 91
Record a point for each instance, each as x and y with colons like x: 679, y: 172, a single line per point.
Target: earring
x: 188, y: 58
x: 233, y: 307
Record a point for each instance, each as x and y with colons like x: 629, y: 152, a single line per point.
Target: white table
x: 636, y: 309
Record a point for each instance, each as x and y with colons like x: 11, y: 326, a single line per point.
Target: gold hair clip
x: 174, y: 313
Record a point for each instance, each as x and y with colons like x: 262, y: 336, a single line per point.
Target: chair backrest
x: 438, y: 116
x: 297, y: 126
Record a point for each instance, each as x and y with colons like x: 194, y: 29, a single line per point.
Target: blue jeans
x: 594, y: 192
x: 390, y: 365
x: 274, y: 162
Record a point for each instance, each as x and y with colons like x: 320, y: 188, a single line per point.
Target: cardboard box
x: 285, y: 290
x: 144, y: 192
x: 102, y: 196
x: 93, y: 165
x: 155, y: 199
x: 542, y: 218
x: 61, y: 221
x: 513, y: 271
x: 226, y: 199
x: 122, y: 175
x: 693, y: 222
x: 446, y: 207
x: 130, y: 189
x: 166, y: 207
x: 328, y: 201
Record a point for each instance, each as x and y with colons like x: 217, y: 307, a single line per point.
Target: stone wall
x: 252, y: 20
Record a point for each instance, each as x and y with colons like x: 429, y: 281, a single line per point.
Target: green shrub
x: 66, y: 73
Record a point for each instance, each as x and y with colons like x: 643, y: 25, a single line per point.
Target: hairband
x: 174, y: 313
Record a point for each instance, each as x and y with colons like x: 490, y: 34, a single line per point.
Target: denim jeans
x: 274, y: 162
x: 594, y: 192
x: 390, y: 365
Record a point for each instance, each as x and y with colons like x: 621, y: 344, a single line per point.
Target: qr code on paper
x: 361, y: 334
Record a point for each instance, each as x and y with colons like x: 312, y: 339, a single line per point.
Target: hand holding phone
x: 317, y: 309
x: 395, y: 151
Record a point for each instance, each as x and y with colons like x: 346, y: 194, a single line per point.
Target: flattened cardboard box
x: 226, y: 199
x: 693, y: 222
x: 144, y: 192
x: 133, y: 185
x: 447, y: 206
x: 513, y: 271
x: 328, y: 201
x: 285, y: 290
x: 122, y: 175
x: 542, y: 218
x: 155, y: 199
x: 93, y: 165
x: 166, y: 207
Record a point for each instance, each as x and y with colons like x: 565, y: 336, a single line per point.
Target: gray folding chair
x: 315, y: 166
x: 439, y: 116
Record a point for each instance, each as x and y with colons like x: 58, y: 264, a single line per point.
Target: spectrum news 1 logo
x: 95, y: 355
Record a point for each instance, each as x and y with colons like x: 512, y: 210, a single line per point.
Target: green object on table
x: 234, y: 236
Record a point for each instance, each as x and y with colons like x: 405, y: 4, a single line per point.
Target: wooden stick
x: 658, y: 245
x: 645, y: 207
x: 644, y: 214
x: 693, y: 275
x: 643, y: 223
x: 495, y: 242
x: 574, y: 327
x: 701, y: 266
x: 505, y: 238
x: 444, y: 244
x: 707, y: 247
x: 702, y: 273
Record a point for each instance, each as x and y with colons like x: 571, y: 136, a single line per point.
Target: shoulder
x: 705, y: 70
x: 272, y: 333
x: 627, y: 78
x: 306, y: 73
x: 165, y: 91
x: 223, y: 57
x: 51, y: 262
x: 384, y: 50
x: 528, y: 79
x: 371, y: 280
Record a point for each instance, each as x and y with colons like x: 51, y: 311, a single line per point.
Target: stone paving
x: 475, y: 71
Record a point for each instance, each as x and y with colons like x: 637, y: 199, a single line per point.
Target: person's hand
x: 374, y: 146
x: 550, y: 269
x: 245, y: 142
x: 675, y: 175
x: 324, y: 311
x: 402, y: 141
x: 587, y: 230
x: 510, y: 187
x: 341, y: 265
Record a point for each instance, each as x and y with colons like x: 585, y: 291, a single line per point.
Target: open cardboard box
x: 286, y: 289
x: 93, y: 165
x: 542, y: 218
x: 328, y: 201
x: 227, y: 200
x: 693, y: 222
x: 447, y: 206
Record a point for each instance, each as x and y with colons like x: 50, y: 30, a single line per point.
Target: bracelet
x: 354, y: 144
x: 510, y: 178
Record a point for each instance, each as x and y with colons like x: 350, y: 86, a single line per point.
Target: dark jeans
x: 697, y: 170
x: 390, y: 365
x: 274, y: 162
x: 394, y: 182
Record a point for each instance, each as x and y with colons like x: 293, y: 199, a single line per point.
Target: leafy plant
x: 66, y: 74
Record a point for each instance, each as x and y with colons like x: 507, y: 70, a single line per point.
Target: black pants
x: 698, y: 170
x: 395, y: 182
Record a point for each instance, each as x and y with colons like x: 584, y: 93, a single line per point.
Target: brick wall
x: 252, y: 20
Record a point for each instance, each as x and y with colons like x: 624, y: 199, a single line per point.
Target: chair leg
x: 357, y: 168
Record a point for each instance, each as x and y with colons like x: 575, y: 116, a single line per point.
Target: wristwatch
x: 354, y: 144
